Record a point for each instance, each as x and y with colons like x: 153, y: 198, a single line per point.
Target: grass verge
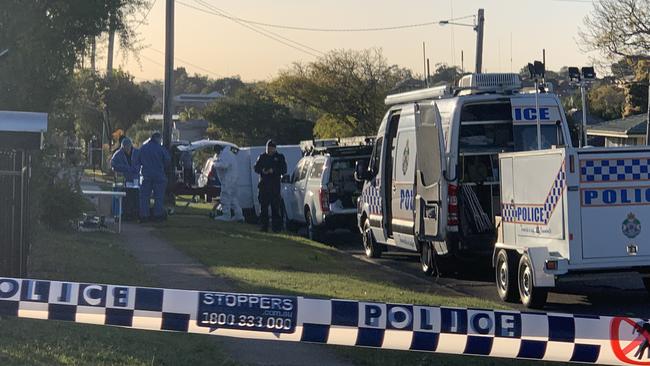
x: 95, y: 257
x: 287, y: 264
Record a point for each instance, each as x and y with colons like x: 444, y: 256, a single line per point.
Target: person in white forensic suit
x: 227, y: 173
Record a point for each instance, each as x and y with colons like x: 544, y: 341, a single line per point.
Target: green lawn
x: 95, y: 257
x: 289, y: 264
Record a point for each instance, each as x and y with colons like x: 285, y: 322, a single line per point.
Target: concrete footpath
x: 171, y: 268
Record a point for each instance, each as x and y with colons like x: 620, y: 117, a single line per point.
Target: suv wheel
x: 313, y: 231
x: 371, y: 247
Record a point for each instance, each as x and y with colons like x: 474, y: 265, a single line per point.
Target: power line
x: 144, y: 19
x: 251, y: 28
x: 311, y: 29
x: 187, y: 62
x: 225, y: 13
x: 152, y: 60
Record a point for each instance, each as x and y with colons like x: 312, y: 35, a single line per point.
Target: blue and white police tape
x: 496, y: 333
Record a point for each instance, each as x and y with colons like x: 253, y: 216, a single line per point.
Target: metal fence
x: 14, y: 212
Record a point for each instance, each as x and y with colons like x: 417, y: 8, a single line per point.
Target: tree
x: 343, y: 87
x: 606, y: 101
x: 120, y: 22
x: 618, y: 28
x: 445, y: 74
x: 44, y: 39
x: 126, y: 100
x: 251, y: 117
x: 194, y: 84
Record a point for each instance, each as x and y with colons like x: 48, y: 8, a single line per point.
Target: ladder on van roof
x: 344, y: 146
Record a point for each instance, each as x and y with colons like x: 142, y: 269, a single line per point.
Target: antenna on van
x: 424, y: 58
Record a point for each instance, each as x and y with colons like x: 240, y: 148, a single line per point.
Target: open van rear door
x: 429, y: 174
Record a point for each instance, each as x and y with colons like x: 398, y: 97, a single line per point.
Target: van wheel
x: 530, y: 295
x: 426, y: 258
x: 370, y: 245
x: 506, y: 275
x: 313, y: 231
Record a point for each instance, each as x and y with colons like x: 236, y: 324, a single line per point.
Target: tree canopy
x: 44, y: 39
x: 618, y: 28
x: 251, y: 116
x: 344, y: 90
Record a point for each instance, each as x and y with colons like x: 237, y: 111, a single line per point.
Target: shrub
x: 60, y: 204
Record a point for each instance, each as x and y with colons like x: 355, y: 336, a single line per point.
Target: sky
x: 516, y: 31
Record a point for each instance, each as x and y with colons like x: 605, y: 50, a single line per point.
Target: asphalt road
x: 621, y: 294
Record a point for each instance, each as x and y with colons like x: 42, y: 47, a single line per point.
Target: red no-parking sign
x: 635, y: 352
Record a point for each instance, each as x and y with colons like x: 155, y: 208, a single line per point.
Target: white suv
x: 322, y: 192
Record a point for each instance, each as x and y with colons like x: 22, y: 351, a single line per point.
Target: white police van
x: 464, y: 200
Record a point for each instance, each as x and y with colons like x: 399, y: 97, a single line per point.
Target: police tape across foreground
x: 495, y: 333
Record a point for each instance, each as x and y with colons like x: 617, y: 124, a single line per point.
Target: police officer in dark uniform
x: 270, y: 165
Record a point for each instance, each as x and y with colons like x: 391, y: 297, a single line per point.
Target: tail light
x: 452, y: 207
x: 324, y: 198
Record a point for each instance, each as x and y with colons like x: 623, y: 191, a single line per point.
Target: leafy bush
x: 60, y: 204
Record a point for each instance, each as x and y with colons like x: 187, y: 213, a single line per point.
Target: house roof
x: 198, y: 98
x: 628, y: 126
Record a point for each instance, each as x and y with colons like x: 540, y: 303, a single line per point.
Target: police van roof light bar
x: 417, y: 95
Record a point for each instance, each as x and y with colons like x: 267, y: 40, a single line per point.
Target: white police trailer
x: 571, y: 213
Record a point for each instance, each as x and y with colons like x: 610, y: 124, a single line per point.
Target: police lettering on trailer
x: 616, y: 196
x: 445, y: 320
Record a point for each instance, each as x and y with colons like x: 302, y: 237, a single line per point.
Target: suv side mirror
x: 361, y: 172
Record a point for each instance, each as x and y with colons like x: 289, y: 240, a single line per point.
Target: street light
x: 582, y: 78
x: 479, y: 21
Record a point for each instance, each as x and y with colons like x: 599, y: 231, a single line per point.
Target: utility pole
x: 479, y: 40
x: 168, y: 108
x: 583, y: 125
x: 647, y: 127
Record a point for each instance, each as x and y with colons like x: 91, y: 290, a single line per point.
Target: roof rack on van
x: 469, y: 84
x: 338, y: 146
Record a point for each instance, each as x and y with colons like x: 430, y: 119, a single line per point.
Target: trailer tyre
x: 370, y: 245
x: 530, y: 295
x: 506, y: 275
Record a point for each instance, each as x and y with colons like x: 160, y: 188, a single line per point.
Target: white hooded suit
x: 227, y: 173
